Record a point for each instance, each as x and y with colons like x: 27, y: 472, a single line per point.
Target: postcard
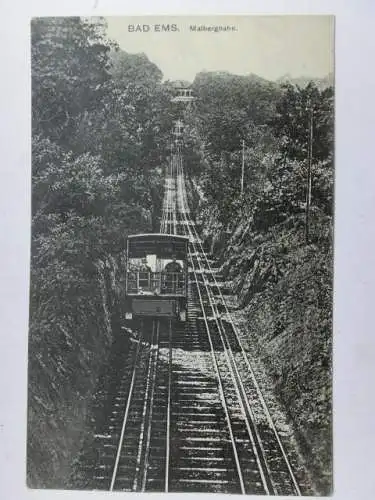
x: 181, y: 281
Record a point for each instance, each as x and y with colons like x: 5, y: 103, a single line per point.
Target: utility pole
x: 243, y: 166
x: 309, y: 162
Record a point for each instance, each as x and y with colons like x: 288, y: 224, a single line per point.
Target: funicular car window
x: 157, y: 265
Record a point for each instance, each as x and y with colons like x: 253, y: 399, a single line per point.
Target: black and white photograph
x: 181, y: 272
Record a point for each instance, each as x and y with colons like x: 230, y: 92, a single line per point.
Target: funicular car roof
x: 161, y: 244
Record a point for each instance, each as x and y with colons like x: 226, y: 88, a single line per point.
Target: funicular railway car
x: 156, y: 276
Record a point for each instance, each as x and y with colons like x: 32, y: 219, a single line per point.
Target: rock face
x: 285, y: 289
x: 63, y: 375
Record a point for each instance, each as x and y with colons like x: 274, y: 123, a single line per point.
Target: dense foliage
x: 99, y: 123
x: 283, y: 281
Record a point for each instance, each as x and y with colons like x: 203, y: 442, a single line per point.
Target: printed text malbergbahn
x: 215, y: 29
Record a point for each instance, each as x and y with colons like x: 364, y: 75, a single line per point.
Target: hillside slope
x: 284, y: 288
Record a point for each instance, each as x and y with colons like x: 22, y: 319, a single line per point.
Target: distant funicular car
x: 156, y: 276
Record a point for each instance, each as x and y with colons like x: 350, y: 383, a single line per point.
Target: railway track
x: 189, y: 415
x: 142, y: 449
x: 133, y: 444
x: 271, y: 458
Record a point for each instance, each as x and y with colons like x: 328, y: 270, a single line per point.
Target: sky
x: 269, y: 46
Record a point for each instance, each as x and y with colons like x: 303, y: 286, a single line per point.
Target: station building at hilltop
x: 182, y: 91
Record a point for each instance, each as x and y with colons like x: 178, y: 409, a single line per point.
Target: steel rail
x: 220, y: 384
x: 256, y: 385
x: 234, y: 380
x: 192, y: 229
x: 166, y: 200
x: 174, y: 200
x: 168, y: 437
x: 248, y: 364
x: 147, y: 405
x: 237, y: 381
x: 151, y: 405
x: 221, y: 390
x: 118, y: 455
x: 240, y: 390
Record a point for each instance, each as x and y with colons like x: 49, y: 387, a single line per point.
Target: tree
x: 228, y: 105
x: 291, y: 121
x: 69, y: 58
